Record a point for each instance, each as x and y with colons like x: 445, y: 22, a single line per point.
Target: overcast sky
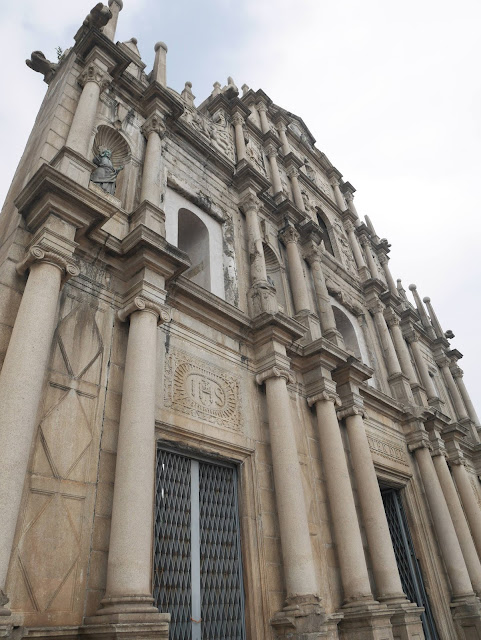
x: 390, y: 90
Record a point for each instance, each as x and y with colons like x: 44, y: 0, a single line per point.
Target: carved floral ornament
x: 352, y: 411
x: 289, y: 235
x: 154, y: 123
x: 142, y: 304
x: 37, y: 254
x: 93, y: 73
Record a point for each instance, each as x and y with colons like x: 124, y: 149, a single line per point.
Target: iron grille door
x: 197, y: 561
x: 408, y: 565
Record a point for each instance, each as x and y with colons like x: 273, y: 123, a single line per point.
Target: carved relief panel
x: 202, y: 391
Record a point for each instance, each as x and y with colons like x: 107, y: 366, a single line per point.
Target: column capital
x: 312, y: 252
x: 383, y: 259
x: 411, y: 336
x: 260, y: 106
x: 418, y: 440
x: 392, y: 318
x: 38, y: 254
x: 456, y: 371
x: 250, y: 201
x: 271, y: 151
x: 280, y: 126
x: 292, y: 171
x: 324, y: 396
x: 289, y: 234
x: 161, y: 312
x: 348, y: 226
x: 94, y: 73
x: 237, y: 119
x: 376, y: 306
x: 351, y: 411
x: 154, y: 122
x: 334, y: 182
x: 365, y: 241
x: 275, y: 372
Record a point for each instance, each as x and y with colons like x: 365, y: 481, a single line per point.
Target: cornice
x: 188, y: 297
x: 95, y: 38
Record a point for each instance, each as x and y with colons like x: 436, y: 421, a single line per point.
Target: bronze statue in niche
x: 105, y: 175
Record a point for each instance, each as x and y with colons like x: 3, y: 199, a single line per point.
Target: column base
x: 366, y: 620
x: 304, y: 618
x: 262, y: 299
x: 11, y: 632
x: 127, y: 610
x: 466, y: 612
x: 334, y: 336
x: 400, y: 387
x: 311, y: 322
x: 406, y: 620
x: 129, y: 630
x: 73, y: 165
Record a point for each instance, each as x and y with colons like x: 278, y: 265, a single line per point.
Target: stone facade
x: 228, y: 303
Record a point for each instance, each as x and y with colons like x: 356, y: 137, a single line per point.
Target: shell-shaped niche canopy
x: 108, y: 138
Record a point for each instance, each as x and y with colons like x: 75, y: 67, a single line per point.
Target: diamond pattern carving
x: 79, y: 340
x: 44, y: 569
x: 65, y: 449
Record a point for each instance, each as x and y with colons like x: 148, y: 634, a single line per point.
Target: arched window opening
x: 345, y: 328
x: 274, y: 276
x: 193, y: 238
x: 325, y: 233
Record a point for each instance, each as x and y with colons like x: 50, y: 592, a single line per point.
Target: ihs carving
x: 204, y: 392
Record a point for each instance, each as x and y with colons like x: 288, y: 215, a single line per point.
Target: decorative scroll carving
x: 36, y: 253
x: 141, y: 304
x: 93, y: 73
x: 324, y: 396
x: 275, y: 372
x: 387, y: 449
x: 204, y: 392
x: 215, y: 130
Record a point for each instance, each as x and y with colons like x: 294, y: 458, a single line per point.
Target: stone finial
x: 245, y: 89
x: 110, y: 28
x: 187, y: 94
x: 159, y: 72
x: 38, y: 62
x: 216, y: 90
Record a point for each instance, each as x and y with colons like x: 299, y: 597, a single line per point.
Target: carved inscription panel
x: 198, y: 389
x: 386, y: 449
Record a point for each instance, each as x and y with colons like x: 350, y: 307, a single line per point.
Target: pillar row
x: 401, y: 348
x: 443, y: 524
x: 422, y: 367
x: 386, y: 573
x: 290, y: 238
x: 390, y: 356
x: 21, y: 382
x: 292, y: 174
x: 326, y: 313
x: 354, y: 575
x: 458, y: 378
x: 453, y: 390
x: 297, y: 555
x: 466, y: 543
x: 469, y: 501
x: 271, y: 152
x: 129, y: 583
x: 384, y: 260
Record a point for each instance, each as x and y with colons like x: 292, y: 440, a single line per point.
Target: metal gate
x: 408, y: 565
x: 197, y: 560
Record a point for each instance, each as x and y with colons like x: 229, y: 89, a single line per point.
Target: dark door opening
x: 197, y: 558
